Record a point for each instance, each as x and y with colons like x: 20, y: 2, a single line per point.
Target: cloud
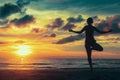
x: 95, y: 17
x: 8, y: 9
x: 57, y: 23
x: 39, y: 31
x: 35, y: 30
x: 23, y: 21
x: 75, y: 20
x: 50, y: 35
x: 114, y: 39
x: 22, y: 3
x: 104, y: 25
x: 4, y: 22
x: 68, y: 26
x: 3, y: 42
x: 19, y: 42
x: 110, y: 23
x: 70, y: 39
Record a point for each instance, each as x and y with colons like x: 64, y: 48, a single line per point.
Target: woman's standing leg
x: 89, y: 53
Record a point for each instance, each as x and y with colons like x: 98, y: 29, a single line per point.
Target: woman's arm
x: 79, y: 32
x: 102, y: 32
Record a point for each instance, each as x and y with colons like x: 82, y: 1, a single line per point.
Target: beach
x: 61, y: 69
x: 61, y: 74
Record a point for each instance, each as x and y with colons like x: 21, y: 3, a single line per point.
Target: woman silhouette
x: 90, y: 42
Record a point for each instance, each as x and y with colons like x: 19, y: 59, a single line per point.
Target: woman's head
x: 89, y: 20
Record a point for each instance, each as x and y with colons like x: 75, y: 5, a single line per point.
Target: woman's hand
x: 70, y: 30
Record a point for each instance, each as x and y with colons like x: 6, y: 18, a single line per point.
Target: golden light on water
x: 23, y: 50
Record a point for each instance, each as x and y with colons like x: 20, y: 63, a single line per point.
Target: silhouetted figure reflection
x: 90, y: 42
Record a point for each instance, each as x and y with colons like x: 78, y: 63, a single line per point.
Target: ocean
x: 61, y: 63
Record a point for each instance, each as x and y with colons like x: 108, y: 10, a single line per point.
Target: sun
x: 23, y: 50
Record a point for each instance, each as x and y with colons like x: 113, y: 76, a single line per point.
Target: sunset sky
x: 39, y: 28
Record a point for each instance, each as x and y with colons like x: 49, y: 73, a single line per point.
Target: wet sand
x: 61, y: 74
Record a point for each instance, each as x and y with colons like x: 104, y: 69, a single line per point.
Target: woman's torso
x: 89, y: 32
